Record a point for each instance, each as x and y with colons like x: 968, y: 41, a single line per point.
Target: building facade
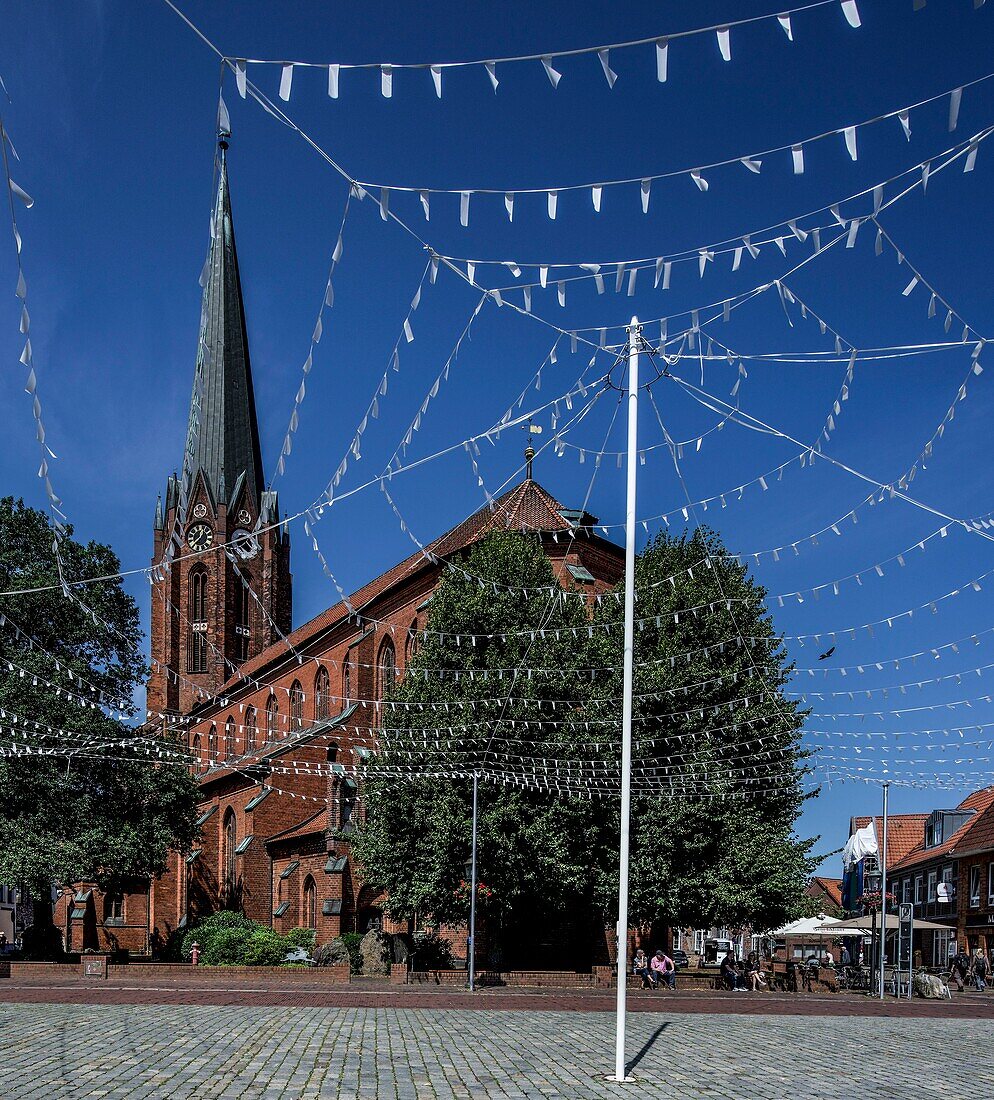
x: 276, y: 719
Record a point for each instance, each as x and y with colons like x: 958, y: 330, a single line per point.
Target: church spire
x: 224, y: 432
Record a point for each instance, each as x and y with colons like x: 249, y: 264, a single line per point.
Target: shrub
x: 352, y: 941
x: 302, y: 937
x: 226, y: 947
x: 206, y: 930
x: 266, y: 948
x: 432, y: 952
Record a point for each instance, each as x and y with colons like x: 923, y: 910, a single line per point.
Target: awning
x: 865, y: 924
x: 808, y: 926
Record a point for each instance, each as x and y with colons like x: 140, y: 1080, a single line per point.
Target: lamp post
x: 871, y: 885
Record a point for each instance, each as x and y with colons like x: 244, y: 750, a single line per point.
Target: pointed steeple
x: 224, y: 434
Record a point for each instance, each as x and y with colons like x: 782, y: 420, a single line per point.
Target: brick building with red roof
x: 277, y: 719
x: 943, y: 863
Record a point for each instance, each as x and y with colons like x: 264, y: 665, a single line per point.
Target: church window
x: 229, y: 738
x: 413, y: 640
x: 296, y: 706
x: 212, y: 746
x: 322, y: 694
x: 251, y: 728
x: 197, y: 749
x: 243, y: 596
x: 347, y: 683
x: 230, y: 844
x: 346, y: 802
x: 114, y: 907
x: 196, y: 654
x: 272, y: 718
x: 310, y: 903
x: 387, y: 669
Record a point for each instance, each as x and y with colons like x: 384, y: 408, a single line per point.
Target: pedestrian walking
x: 980, y: 968
x: 959, y: 969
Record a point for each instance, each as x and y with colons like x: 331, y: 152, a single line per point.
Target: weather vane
x: 532, y: 429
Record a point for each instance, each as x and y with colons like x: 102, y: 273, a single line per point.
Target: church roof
x: 223, y: 434
x: 526, y: 507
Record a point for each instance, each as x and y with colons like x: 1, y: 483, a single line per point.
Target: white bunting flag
x: 424, y: 205
x: 701, y: 182
x: 384, y: 202
x: 904, y: 118
x: 609, y: 74
x: 29, y: 201
x: 553, y: 204
x: 333, y: 81
x: 509, y: 205
x: 784, y: 21
x: 724, y: 43
x: 595, y: 196
x: 851, y: 12
x: 662, y: 51
x: 797, y: 153
x: 240, y: 78
x: 971, y: 158
x: 464, y: 208
x: 386, y: 81
x: 436, y: 79
x: 491, y: 67
x: 850, y: 136
x: 286, y: 80
x: 752, y: 164
x: 550, y: 72
x: 955, y: 98
x: 646, y: 184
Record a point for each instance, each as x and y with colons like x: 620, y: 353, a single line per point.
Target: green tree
x: 537, y: 850
x: 718, y: 765
x: 82, y: 795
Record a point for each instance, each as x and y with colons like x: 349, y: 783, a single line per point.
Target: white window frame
x: 919, y: 881
x: 974, y: 881
x: 699, y: 937
x: 906, y: 890
x: 990, y: 883
x: 933, y: 882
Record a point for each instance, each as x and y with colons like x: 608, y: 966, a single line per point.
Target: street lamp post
x: 471, y: 871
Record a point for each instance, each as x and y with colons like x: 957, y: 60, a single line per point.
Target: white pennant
x: 662, y: 50
x: 550, y: 72
x: 286, y: 80
x: 724, y: 43
x: 386, y: 81
x: 436, y: 77
x: 955, y: 98
x: 595, y: 196
x: 509, y: 205
x: 850, y: 136
x: 491, y: 67
x: 784, y: 21
x: 797, y: 153
x: 646, y: 184
x: 464, y: 208
x: 609, y: 74
x: 240, y: 78
x: 851, y: 12
x: 553, y: 203
x: 333, y: 81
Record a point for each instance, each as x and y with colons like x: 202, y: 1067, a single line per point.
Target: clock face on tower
x: 200, y: 537
x: 245, y: 543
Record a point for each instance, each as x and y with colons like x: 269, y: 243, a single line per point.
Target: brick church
x: 275, y: 718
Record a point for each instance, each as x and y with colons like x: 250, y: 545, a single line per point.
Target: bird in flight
x: 828, y: 653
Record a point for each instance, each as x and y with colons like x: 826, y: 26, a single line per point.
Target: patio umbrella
x: 865, y: 923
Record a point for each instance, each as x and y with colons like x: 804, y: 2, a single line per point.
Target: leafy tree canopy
x: 82, y: 796
x: 717, y: 757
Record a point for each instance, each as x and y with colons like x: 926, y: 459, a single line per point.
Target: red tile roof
x: 831, y: 888
x: 316, y: 823
x: 905, y: 832
x: 980, y: 802
x: 526, y: 507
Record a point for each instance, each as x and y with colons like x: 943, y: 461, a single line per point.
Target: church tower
x: 221, y: 589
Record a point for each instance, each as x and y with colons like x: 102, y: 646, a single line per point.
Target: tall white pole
x: 883, y: 894
x: 471, y: 947
x: 634, y: 335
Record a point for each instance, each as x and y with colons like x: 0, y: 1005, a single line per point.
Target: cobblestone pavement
x: 56, y: 1051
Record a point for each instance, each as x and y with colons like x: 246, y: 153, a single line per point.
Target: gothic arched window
x: 413, y: 640
x: 251, y: 728
x: 310, y: 906
x: 197, y: 749
x: 272, y: 718
x: 212, y: 746
x: 229, y: 738
x: 296, y: 706
x: 387, y: 669
x: 196, y: 610
x: 230, y: 843
x: 322, y: 694
x: 347, y: 683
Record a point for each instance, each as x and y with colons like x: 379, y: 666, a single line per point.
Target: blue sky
x: 112, y: 112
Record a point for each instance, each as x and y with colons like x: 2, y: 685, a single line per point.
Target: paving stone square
x: 140, y: 1051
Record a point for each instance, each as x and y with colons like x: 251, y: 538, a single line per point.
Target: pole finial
x: 532, y: 429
